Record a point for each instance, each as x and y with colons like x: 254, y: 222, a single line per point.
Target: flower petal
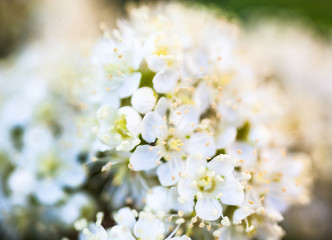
x: 156, y: 63
x: 129, y: 85
x: 143, y: 100
x: 222, y: 164
x: 208, y: 209
x: 194, y: 164
x: 133, y: 119
x: 153, y: 126
x: 165, y: 81
x: 185, y: 118
x: 232, y: 192
x: 200, y: 143
x: 168, y: 173
x: 144, y: 158
x: 226, y: 138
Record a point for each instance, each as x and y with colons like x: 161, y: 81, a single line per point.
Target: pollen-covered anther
x: 217, y: 233
x: 201, y: 225
x: 194, y: 219
x: 180, y: 213
x: 239, y: 151
x: 261, y: 210
x: 180, y: 221
x: 208, y: 227
x: 130, y: 166
x: 213, y: 105
x: 225, y: 221
x: 250, y: 228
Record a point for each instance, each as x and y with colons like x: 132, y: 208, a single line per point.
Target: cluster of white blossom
x: 41, y: 172
x: 176, y: 126
x: 187, y: 130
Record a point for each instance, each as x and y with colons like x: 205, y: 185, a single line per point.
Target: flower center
x: 173, y: 144
x: 121, y: 126
x: 48, y: 166
x: 161, y: 51
x: 206, y: 184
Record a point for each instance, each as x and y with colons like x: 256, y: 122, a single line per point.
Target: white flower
x: 162, y: 52
x: 117, y: 63
x: 174, y: 141
x: 211, y: 183
x: 118, y: 129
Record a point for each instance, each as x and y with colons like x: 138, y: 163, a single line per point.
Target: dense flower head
x: 186, y: 106
x: 170, y: 122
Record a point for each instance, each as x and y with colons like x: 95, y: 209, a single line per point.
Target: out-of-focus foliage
x: 315, y: 13
x: 14, y: 24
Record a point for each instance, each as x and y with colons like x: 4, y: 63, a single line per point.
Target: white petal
x: 149, y: 227
x: 156, y: 63
x: 185, y: 118
x: 168, y: 173
x: 22, y: 181
x: 226, y: 138
x: 200, y: 143
x: 208, y: 209
x: 242, y: 213
x: 133, y: 119
x: 165, y: 81
x: 202, y: 97
x: 144, y: 158
x: 157, y: 199
x: 247, y: 153
x: 222, y: 164
x: 232, y: 192
x: 186, y: 190
x: 173, y: 196
x: 195, y: 163
x: 106, y: 115
x: 143, y: 100
x: 162, y: 106
x: 125, y: 217
x: 129, y: 85
x: 49, y: 192
x: 120, y: 233
x: 72, y: 177
x: 153, y: 126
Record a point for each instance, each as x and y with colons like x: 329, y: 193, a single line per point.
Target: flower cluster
x: 179, y: 112
x: 170, y: 125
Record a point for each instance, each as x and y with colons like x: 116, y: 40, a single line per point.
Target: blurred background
x: 302, y: 22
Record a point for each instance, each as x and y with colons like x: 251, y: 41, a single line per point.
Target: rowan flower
x: 212, y: 183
